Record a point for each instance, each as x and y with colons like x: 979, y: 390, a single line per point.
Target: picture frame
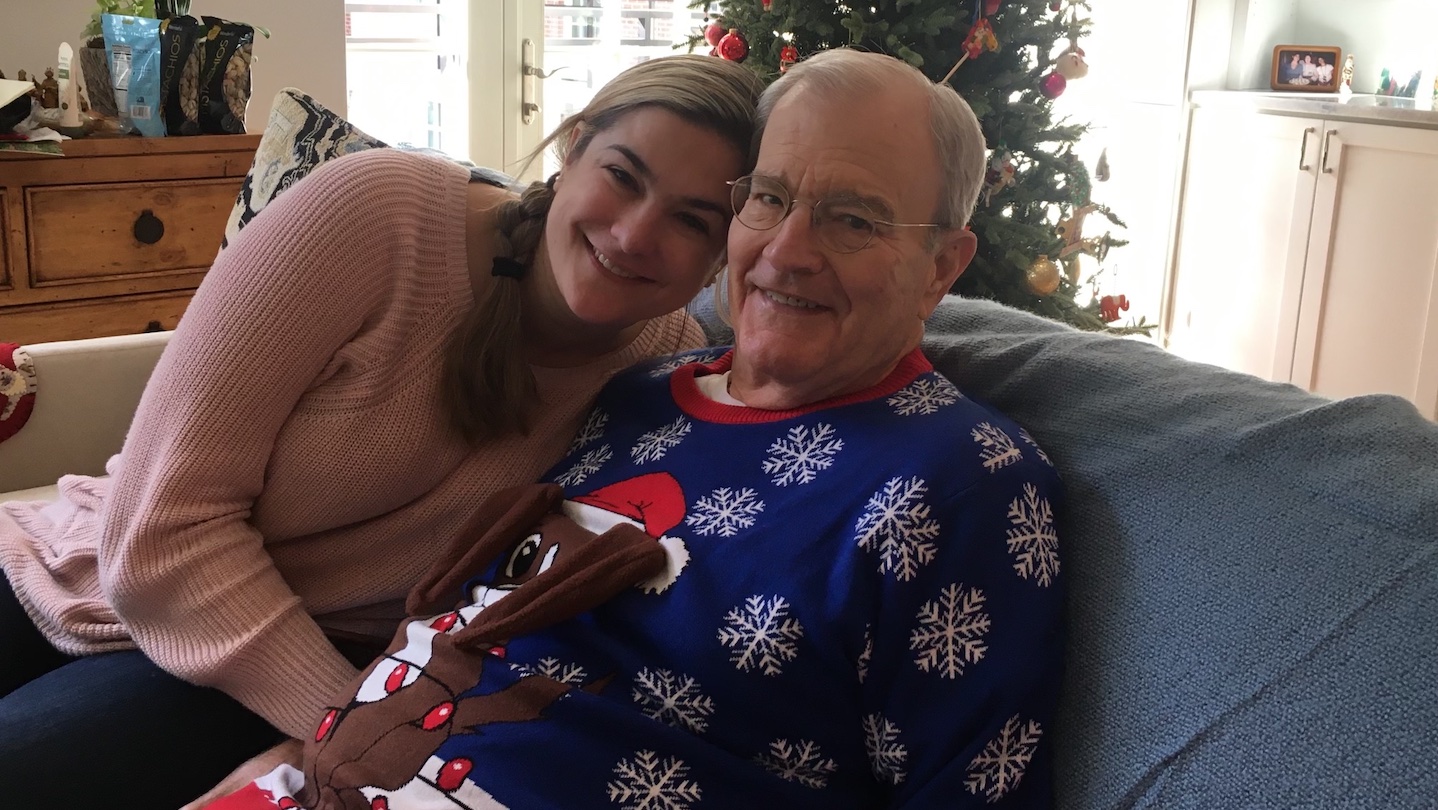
x: 1306, y: 68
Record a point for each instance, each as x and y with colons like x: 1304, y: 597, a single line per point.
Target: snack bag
x: 224, y: 86
x: 178, y: 37
x: 133, y: 45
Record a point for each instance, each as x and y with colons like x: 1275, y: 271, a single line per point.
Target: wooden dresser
x: 113, y: 237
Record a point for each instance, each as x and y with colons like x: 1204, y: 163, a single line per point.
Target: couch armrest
x: 88, y: 391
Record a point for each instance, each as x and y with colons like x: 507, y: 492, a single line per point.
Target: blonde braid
x: 489, y: 389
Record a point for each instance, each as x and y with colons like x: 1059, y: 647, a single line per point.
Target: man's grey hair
x: 958, y: 139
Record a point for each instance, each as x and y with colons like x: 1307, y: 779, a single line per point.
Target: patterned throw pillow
x: 300, y: 135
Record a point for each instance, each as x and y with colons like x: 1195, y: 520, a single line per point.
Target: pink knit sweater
x: 289, y: 458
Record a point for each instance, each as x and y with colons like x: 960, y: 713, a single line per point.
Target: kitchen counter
x: 1361, y: 107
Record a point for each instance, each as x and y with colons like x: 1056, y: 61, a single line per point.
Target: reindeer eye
x: 522, y: 558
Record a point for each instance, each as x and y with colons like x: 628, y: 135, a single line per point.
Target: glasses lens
x: 759, y: 202
x: 845, y: 227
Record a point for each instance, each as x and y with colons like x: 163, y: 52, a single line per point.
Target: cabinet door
x: 1368, y: 317
x: 1243, y: 228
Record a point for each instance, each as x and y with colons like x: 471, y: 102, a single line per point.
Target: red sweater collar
x: 693, y: 402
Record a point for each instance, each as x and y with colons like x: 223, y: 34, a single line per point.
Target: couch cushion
x: 49, y: 493
x: 1253, y: 591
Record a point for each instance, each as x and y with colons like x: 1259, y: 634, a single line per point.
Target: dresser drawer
x: 87, y: 233
x: 72, y: 320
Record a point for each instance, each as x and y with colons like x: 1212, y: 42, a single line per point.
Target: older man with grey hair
x: 859, y: 602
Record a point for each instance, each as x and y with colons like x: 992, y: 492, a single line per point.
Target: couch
x: 1252, y: 570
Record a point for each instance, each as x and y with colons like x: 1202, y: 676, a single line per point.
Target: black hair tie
x: 508, y: 268
x: 550, y: 182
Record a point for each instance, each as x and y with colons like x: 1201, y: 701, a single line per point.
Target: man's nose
x: 795, y: 244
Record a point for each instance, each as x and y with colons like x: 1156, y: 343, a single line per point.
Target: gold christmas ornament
x: 1073, y: 268
x: 1043, y: 276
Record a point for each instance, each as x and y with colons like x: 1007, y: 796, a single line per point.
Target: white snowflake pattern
x: 1044, y: 457
x: 648, y: 783
x: 761, y: 634
x: 999, y: 449
x: 896, y: 523
x: 951, y: 631
x: 554, y: 669
x: 798, y: 457
x: 1033, y: 540
x: 924, y: 396
x: 672, y: 699
x: 725, y: 511
x: 886, y: 754
x: 653, y: 445
x: 587, y: 465
x: 999, y: 768
x: 593, y: 429
x: 866, y: 654
x: 668, y: 367
x: 798, y: 762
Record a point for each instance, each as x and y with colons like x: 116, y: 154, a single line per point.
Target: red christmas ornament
x: 733, y: 46
x: 1053, y: 85
x: 1056, y: 5
x: 714, y: 32
x: 1110, y: 305
x: 768, y: 4
x: 788, y: 55
x: 991, y: 7
x: 980, y: 38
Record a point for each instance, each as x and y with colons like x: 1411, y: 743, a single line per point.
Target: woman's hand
x: 288, y: 752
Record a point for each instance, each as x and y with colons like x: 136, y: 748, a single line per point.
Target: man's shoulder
x: 963, y: 441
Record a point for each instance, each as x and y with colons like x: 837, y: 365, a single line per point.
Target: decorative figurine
x: 49, y: 90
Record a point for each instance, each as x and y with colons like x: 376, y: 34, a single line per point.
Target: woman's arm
x: 179, y: 561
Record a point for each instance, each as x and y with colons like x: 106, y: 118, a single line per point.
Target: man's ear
x: 956, y: 249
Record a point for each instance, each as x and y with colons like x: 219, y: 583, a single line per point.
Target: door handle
x: 1327, y: 142
x: 1303, y: 149
x: 528, y: 105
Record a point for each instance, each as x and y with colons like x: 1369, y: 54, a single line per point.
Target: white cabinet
x: 1308, y: 253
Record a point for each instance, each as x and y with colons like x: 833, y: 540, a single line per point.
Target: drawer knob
x: 148, y: 227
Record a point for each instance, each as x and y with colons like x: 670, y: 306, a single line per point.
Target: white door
x: 577, y: 44
x: 1243, y: 230
x: 1368, y: 320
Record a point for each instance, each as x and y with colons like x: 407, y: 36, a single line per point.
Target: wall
x: 1397, y: 34
x: 306, y: 48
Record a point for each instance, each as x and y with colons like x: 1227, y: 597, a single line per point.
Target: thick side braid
x: 492, y: 390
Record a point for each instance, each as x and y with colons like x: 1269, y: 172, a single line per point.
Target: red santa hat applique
x: 653, y: 502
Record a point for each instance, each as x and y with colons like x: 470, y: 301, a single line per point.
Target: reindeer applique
x: 378, y: 750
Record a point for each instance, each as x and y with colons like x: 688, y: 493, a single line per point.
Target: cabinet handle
x: 148, y: 228
x: 1327, y: 141
x: 1303, y: 149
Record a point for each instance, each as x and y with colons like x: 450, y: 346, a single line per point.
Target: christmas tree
x: 1009, y: 59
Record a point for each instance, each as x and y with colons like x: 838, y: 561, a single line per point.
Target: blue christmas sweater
x: 860, y: 608
x: 868, y: 616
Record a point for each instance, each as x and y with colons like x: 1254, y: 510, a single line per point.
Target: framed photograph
x: 1306, y: 68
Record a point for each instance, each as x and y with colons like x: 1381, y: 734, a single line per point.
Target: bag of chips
x: 133, y: 46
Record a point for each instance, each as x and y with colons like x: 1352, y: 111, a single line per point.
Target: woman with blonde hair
x: 386, y: 345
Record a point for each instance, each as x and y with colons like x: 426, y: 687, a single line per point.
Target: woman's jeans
x: 109, y: 730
